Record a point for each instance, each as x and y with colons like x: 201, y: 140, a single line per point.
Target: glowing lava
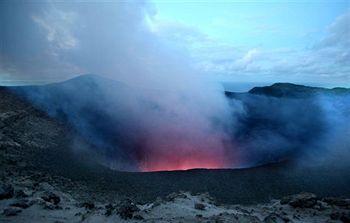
x: 180, y: 160
x: 178, y: 147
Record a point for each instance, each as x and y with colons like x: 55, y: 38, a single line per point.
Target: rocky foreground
x: 25, y: 199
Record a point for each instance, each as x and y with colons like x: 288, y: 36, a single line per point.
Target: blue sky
x: 266, y: 35
x: 240, y: 41
x: 255, y: 23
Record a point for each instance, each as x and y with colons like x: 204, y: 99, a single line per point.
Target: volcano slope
x: 43, y: 158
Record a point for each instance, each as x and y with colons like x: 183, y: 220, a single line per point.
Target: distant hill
x: 294, y: 90
x: 91, y: 105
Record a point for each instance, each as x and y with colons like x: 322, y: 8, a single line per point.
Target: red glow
x: 184, y: 165
x: 184, y: 160
x: 178, y: 147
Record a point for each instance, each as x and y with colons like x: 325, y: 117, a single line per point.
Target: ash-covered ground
x: 50, y: 172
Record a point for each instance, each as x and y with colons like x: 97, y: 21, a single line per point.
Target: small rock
x: 337, y: 201
x: 126, y: 209
x: 275, y: 218
x: 345, y: 217
x: 302, y: 200
x: 296, y: 216
x: 11, y: 211
x: 234, y: 218
x: 38, y: 201
x: 109, y: 209
x: 24, y: 203
x: 42, y: 186
x: 51, y: 206
x: 320, y: 206
x: 138, y: 217
x: 286, y: 200
x: 157, y: 202
x: 6, y: 191
x: 335, y: 215
x: 88, y: 205
x: 244, y: 211
x: 342, y: 216
x: 173, y: 196
x: 199, y: 206
x: 52, y: 198
x: 23, y: 193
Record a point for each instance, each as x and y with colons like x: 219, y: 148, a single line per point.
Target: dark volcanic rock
x: 24, y: 203
x: 138, y: 217
x: 337, y: 201
x: 22, y: 193
x: 342, y: 216
x: 51, y: 206
x: 52, y: 198
x: 286, y: 200
x: 88, y: 205
x: 234, y: 218
x: 11, y: 211
x: 275, y: 218
x: 302, y: 200
x: 320, y: 206
x: 345, y: 217
x: 109, y: 209
x: 199, y: 206
x: 6, y: 191
x: 126, y: 209
x: 173, y: 196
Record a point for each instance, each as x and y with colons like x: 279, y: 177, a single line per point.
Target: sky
x: 238, y: 41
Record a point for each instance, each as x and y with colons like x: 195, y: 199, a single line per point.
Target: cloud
x: 30, y: 44
x: 338, y: 33
x: 326, y: 61
x: 57, y: 25
x: 249, y: 57
x: 48, y: 40
x: 53, y: 41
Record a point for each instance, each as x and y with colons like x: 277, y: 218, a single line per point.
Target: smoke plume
x: 148, y: 109
x: 309, y: 129
x: 143, y: 129
x: 164, y: 115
